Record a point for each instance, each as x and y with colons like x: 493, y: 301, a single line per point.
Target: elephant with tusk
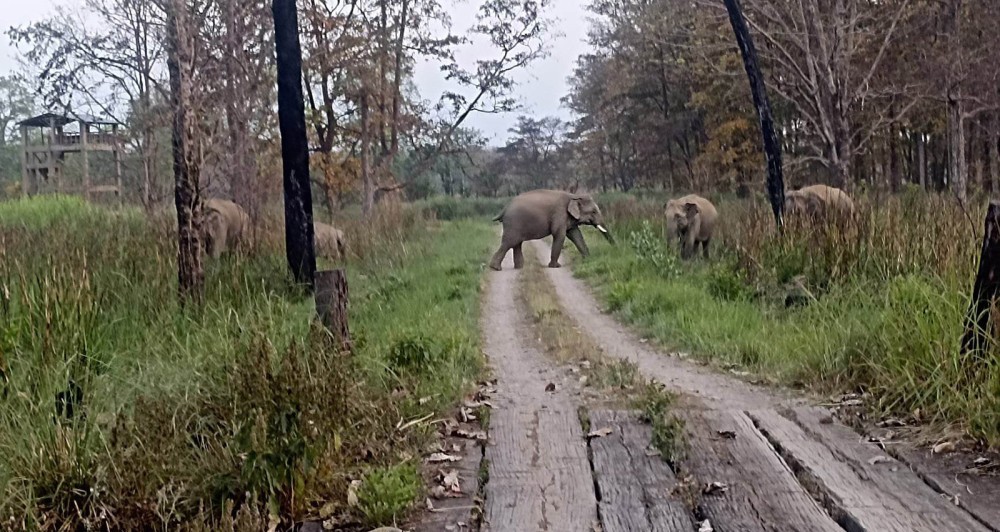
x: 540, y: 213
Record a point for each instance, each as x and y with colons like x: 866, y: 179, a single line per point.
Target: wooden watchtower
x: 46, y: 140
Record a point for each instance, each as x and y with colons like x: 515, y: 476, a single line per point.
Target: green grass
x: 240, y: 403
x: 892, y: 295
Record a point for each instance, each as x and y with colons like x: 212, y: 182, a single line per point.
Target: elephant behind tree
x: 540, y: 213
x: 330, y: 242
x: 818, y: 200
x: 225, y: 227
x: 691, y: 219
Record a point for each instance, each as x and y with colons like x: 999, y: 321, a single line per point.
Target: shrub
x: 387, y: 493
x: 652, y: 251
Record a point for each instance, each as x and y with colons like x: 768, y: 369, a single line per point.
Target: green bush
x: 387, y: 493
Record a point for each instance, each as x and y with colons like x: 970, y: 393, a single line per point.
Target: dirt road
x: 756, y: 459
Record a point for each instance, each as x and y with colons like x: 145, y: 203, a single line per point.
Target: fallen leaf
x: 705, y: 526
x: 715, y: 488
x: 550, y: 387
x: 352, y: 493
x: 943, y: 447
x: 327, y: 510
x: 470, y: 434
x: 879, y: 459
x: 450, y: 481
x: 442, y: 457
x: 727, y: 434
x: 599, y: 433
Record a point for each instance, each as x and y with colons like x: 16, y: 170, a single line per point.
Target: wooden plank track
x: 634, y: 487
x: 762, y: 494
x: 539, y: 472
x: 862, y: 486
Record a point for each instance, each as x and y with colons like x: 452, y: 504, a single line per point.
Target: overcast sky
x: 539, y: 90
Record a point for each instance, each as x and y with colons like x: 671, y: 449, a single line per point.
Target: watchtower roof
x: 48, y: 119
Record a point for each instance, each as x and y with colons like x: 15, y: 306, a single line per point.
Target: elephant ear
x: 691, y: 210
x: 574, y: 208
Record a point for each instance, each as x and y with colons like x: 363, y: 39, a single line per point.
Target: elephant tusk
x: 602, y: 229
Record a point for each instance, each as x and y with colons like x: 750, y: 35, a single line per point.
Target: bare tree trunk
x: 772, y: 148
x: 299, y: 245
x: 190, y: 274
x: 979, y: 321
x: 895, y: 175
x: 958, y: 166
x: 994, y: 152
x: 922, y: 160
x: 367, y: 179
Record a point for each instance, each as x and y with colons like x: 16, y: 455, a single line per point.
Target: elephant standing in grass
x: 818, y: 200
x: 225, y: 227
x: 540, y: 213
x: 329, y: 241
x: 691, y: 220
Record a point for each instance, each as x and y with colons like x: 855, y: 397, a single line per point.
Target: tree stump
x: 331, y: 305
x: 979, y: 320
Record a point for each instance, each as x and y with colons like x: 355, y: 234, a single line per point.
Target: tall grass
x: 238, y: 409
x: 891, y: 294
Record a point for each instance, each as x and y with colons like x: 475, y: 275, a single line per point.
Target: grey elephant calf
x: 540, y: 213
x: 225, y: 226
x: 330, y: 242
x: 691, y: 220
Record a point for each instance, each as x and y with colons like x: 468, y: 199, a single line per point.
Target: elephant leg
x: 497, y: 259
x: 576, y: 236
x: 704, y: 247
x: 518, y: 257
x: 557, y: 244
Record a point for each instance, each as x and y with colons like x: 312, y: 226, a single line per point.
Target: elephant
x: 329, y: 240
x: 225, y: 227
x: 691, y: 219
x: 818, y: 200
x: 540, y: 213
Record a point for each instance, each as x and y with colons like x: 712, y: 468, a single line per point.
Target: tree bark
x: 979, y: 319
x: 190, y: 273
x: 299, y: 247
x: 772, y: 148
x: 331, y: 305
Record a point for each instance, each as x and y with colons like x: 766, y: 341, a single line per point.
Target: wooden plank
x: 457, y: 513
x: 762, y: 494
x: 635, y: 489
x: 861, y: 485
x: 949, y: 474
x: 539, y: 471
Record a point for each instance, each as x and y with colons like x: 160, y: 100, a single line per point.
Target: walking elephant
x: 225, y: 227
x: 540, y: 213
x: 691, y: 219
